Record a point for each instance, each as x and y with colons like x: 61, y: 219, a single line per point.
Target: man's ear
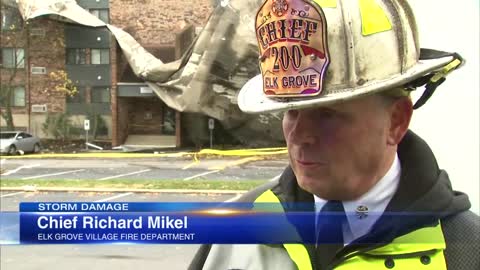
x: 400, y: 115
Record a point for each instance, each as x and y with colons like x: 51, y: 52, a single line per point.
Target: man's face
x: 339, y: 152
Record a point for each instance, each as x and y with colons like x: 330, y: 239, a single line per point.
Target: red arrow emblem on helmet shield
x: 309, y: 51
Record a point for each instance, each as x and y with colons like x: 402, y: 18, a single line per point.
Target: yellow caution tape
x: 234, y: 163
x: 99, y: 155
x: 243, y: 152
x: 195, y: 155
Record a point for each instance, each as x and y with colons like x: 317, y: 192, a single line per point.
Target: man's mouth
x: 308, y: 163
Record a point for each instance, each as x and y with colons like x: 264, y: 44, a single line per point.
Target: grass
x: 136, y: 184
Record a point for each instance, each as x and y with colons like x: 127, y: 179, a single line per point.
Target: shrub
x: 98, y: 126
x: 57, y: 125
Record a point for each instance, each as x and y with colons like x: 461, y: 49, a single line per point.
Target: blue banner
x: 174, y: 223
x: 135, y: 206
x: 153, y: 228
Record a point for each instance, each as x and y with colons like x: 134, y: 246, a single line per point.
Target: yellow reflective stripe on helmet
x: 374, y: 19
x: 446, y: 70
x: 297, y: 252
x: 326, y: 3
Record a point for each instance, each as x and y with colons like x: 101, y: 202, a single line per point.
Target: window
x: 25, y: 135
x: 100, y: 56
x: 79, y: 97
x: 100, y: 95
x: 79, y: 56
x: 18, y: 97
x: 102, y: 14
x: 76, y: 56
x: 11, y: 19
x: 12, y: 58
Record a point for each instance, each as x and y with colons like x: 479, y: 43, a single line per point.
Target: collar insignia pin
x: 361, y: 212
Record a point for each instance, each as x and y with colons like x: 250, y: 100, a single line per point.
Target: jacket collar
x: 423, y: 188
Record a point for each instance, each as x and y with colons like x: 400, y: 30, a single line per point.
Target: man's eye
x: 326, y: 113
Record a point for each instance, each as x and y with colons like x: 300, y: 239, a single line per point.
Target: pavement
x: 238, y: 165
x: 208, y: 164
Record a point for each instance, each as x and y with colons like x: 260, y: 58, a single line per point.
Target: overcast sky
x: 449, y: 122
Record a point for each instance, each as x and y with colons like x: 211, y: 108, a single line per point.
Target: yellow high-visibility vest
x: 419, y: 249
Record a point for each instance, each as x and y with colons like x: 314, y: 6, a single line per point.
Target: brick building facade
x: 93, y: 60
x: 41, y: 45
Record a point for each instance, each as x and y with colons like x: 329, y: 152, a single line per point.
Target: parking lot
x: 107, y: 169
x: 114, y: 256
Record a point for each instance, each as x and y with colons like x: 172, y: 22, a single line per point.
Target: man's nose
x: 302, y: 129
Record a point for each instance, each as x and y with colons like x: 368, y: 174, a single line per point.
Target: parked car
x: 13, y: 141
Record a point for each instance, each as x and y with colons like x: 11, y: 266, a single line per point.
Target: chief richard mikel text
x: 109, y: 222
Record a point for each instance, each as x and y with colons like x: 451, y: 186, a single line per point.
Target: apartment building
x: 106, y: 85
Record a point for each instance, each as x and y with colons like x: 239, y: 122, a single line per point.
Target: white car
x: 11, y: 142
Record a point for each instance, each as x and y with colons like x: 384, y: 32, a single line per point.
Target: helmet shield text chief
x: 321, y: 52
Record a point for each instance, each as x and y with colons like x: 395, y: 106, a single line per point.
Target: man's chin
x: 312, y: 185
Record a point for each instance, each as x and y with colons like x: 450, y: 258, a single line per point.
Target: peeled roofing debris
x: 206, y: 79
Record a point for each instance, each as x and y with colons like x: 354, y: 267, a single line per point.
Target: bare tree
x: 13, y: 38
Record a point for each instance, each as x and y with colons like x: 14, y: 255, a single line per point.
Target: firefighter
x: 342, y: 72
